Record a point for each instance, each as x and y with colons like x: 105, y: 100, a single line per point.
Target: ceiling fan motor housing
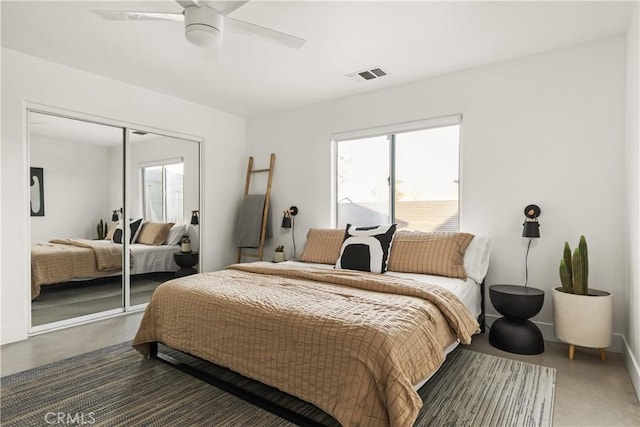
x: 203, y: 26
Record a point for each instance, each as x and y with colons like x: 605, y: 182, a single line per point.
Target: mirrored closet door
x: 164, y: 191
x: 75, y: 271
x: 114, y: 213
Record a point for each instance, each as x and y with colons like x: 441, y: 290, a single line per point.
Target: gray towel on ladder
x: 250, y: 221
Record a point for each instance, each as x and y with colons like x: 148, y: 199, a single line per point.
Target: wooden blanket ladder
x: 265, y: 211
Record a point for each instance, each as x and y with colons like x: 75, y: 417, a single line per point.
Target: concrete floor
x: 588, y: 391
x: 80, y: 298
x: 53, y: 346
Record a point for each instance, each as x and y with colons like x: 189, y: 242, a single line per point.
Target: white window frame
x: 390, y: 131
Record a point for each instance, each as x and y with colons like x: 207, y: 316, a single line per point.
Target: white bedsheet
x: 467, y: 290
x: 148, y: 258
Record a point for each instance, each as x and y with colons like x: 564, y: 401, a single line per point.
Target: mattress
x: 148, y: 259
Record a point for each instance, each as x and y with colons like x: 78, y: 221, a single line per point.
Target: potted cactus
x: 278, y: 255
x: 102, y: 229
x: 581, y: 316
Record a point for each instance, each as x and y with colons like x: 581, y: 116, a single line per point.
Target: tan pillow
x: 440, y: 254
x: 323, y: 245
x: 154, y: 233
x: 112, y: 230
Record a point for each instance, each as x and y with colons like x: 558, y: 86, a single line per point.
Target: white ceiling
x: 50, y: 127
x: 410, y: 40
x: 78, y: 131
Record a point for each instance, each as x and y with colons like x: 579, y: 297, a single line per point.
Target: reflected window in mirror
x: 163, y: 192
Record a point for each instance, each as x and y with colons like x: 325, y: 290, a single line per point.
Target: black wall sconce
x: 288, y: 222
x: 531, y: 225
x: 115, y: 216
x: 287, y: 219
x: 195, y: 217
x: 531, y: 231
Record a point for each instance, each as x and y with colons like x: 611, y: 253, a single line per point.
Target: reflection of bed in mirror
x: 66, y: 260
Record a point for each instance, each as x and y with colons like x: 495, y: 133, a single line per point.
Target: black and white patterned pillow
x: 366, y: 248
x: 134, y: 225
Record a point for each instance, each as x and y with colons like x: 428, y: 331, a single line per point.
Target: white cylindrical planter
x: 583, y: 320
x: 278, y: 256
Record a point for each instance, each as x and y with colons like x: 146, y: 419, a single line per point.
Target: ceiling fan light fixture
x: 204, y: 22
x: 204, y: 36
x: 203, y: 26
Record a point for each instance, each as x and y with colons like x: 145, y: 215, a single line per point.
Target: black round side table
x: 514, y: 332
x: 186, y: 261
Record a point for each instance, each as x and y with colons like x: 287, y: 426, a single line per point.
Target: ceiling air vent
x: 371, y: 74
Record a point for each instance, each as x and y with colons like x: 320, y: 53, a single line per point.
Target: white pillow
x: 194, y: 237
x: 476, y: 258
x: 175, y: 234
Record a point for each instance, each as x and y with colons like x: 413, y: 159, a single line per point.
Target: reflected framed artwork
x: 36, y: 185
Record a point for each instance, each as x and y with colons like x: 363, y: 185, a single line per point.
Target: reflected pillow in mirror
x: 112, y: 229
x: 134, y: 226
x: 175, y: 234
x: 154, y: 233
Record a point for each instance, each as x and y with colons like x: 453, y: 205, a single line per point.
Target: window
x: 407, y: 177
x: 162, y: 194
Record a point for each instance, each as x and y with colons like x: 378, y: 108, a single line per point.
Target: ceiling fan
x: 205, y: 22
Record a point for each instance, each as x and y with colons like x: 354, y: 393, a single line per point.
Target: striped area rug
x: 116, y: 387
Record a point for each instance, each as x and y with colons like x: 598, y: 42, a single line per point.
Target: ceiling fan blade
x: 124, y: 15
x: 186, y: 3
x: 288, y: 40
x: 224, y: 7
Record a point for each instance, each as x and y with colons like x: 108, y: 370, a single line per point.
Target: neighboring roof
x: 438, y: 215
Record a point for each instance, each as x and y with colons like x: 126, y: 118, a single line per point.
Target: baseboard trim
x: 14, y: 332
x: 632, y: 366
x: 616, y: 346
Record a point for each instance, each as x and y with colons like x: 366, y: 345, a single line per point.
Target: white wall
x: 75, y: 189
x: 545, y: 129
x: 29, y: 79
x: 632, y: 354
x: 114, y: 190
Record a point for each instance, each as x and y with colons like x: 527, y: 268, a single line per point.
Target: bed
x: 355, y: 344
x: 72, y: 259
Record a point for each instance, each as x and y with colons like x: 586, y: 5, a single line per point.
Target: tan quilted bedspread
x: 352, y: 343
x: 62, y: 260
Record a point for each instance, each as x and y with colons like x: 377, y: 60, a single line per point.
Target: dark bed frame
x: 254, y: 398
x: 233, y: 389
